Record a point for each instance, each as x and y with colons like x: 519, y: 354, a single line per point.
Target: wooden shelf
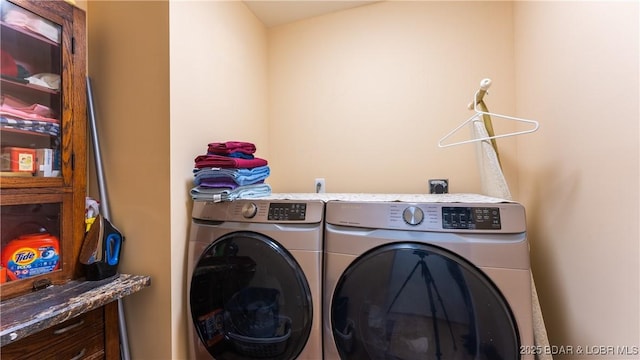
x: 31, y: 313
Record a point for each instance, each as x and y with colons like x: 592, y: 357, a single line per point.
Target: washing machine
x: 255, y: 279
x: 426, y: 277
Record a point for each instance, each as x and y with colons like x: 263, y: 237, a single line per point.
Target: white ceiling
x: 273, y: 13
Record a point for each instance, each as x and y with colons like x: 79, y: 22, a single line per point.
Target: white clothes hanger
x: 484, y: 86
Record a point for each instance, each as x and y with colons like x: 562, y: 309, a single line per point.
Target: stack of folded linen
x: 23, y: 116
x: 228, y: 171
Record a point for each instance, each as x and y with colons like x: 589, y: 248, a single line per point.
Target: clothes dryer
x: 426, y: 277
x: 254, y: 280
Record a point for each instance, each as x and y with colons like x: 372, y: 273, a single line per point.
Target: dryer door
x: 249, y: 299
x: 417, y: 301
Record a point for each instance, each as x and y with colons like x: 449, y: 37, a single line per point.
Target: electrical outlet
x: 438, y: 186
x: 319, y: 186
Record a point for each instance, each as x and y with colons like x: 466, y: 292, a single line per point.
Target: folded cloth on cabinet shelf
x: 33, y: 23
x: 210, y: 160
x: 8, y: 64
x: 32, y: 117
x: 48, y: 80
x: 239, y: 176
x: 16, y: 106
x: 34, y: 112
x: 11, y: 70
x: 221, y: 194
x: 228, y: 147
x: 41, y: 127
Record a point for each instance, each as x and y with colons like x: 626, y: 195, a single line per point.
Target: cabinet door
x: 42, y: 139
x: 34, y: 253
x: 42, y: 93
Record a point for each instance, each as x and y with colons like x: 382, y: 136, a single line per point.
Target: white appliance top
x: 412, y: 198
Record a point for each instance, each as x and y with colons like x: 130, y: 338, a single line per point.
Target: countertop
x: 30, y: 313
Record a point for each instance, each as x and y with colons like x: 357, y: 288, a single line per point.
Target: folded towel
x: 223, y: 183
x: 225, y: 148
x: 209, y: 160
x: 238, y: 154
x: 218, y: 183
x: 225, y: 194
x: 239, y: 176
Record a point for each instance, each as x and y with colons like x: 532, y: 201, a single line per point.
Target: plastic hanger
x: 484, y: 86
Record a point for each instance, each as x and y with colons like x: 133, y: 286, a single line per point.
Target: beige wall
x: 361, y: 97
x: 578, y: 72
x: 218, y: 93
x: 149, y: 140
x: 129, y: 67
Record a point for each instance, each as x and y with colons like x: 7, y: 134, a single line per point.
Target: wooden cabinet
x: 43, y: 135
x: 43, y: 180
x: 82, y: 337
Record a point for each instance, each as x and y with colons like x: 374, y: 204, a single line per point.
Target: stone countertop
x: 30, y: 313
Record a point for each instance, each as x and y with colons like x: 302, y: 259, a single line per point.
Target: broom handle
x: 104, y: 209
x: 104, y: 203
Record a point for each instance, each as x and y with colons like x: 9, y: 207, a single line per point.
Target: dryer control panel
x: 506, y: 217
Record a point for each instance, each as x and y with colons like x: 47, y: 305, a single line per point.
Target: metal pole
x: 104, y: 209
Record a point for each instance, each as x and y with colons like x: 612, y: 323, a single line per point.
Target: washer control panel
x: 471, y: 218
x: 287, y: 211
x: 283, y: 211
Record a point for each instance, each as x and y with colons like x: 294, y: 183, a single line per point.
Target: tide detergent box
x: 31, y: 255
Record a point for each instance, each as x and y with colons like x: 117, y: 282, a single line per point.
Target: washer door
x: 249, y: 299
x: 417, y: 301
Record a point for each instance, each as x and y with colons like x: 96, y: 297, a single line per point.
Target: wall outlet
x: 438, y: 186
x: 319, y: 185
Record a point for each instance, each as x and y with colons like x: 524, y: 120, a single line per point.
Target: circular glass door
x: 249, y: 299
x: 417, y: 301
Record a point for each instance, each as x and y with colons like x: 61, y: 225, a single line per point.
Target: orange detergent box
x: 31, y: 255
x: 17, y: 159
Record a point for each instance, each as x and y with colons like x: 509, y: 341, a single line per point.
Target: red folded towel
x: 225, y: 148
x: 219, y: 161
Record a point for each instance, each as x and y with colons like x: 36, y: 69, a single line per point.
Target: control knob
x: 413, y: 215
x: 249, y: 210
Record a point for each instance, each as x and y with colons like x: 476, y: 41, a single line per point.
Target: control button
x: 249, y: 210
x: 413, y: 215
